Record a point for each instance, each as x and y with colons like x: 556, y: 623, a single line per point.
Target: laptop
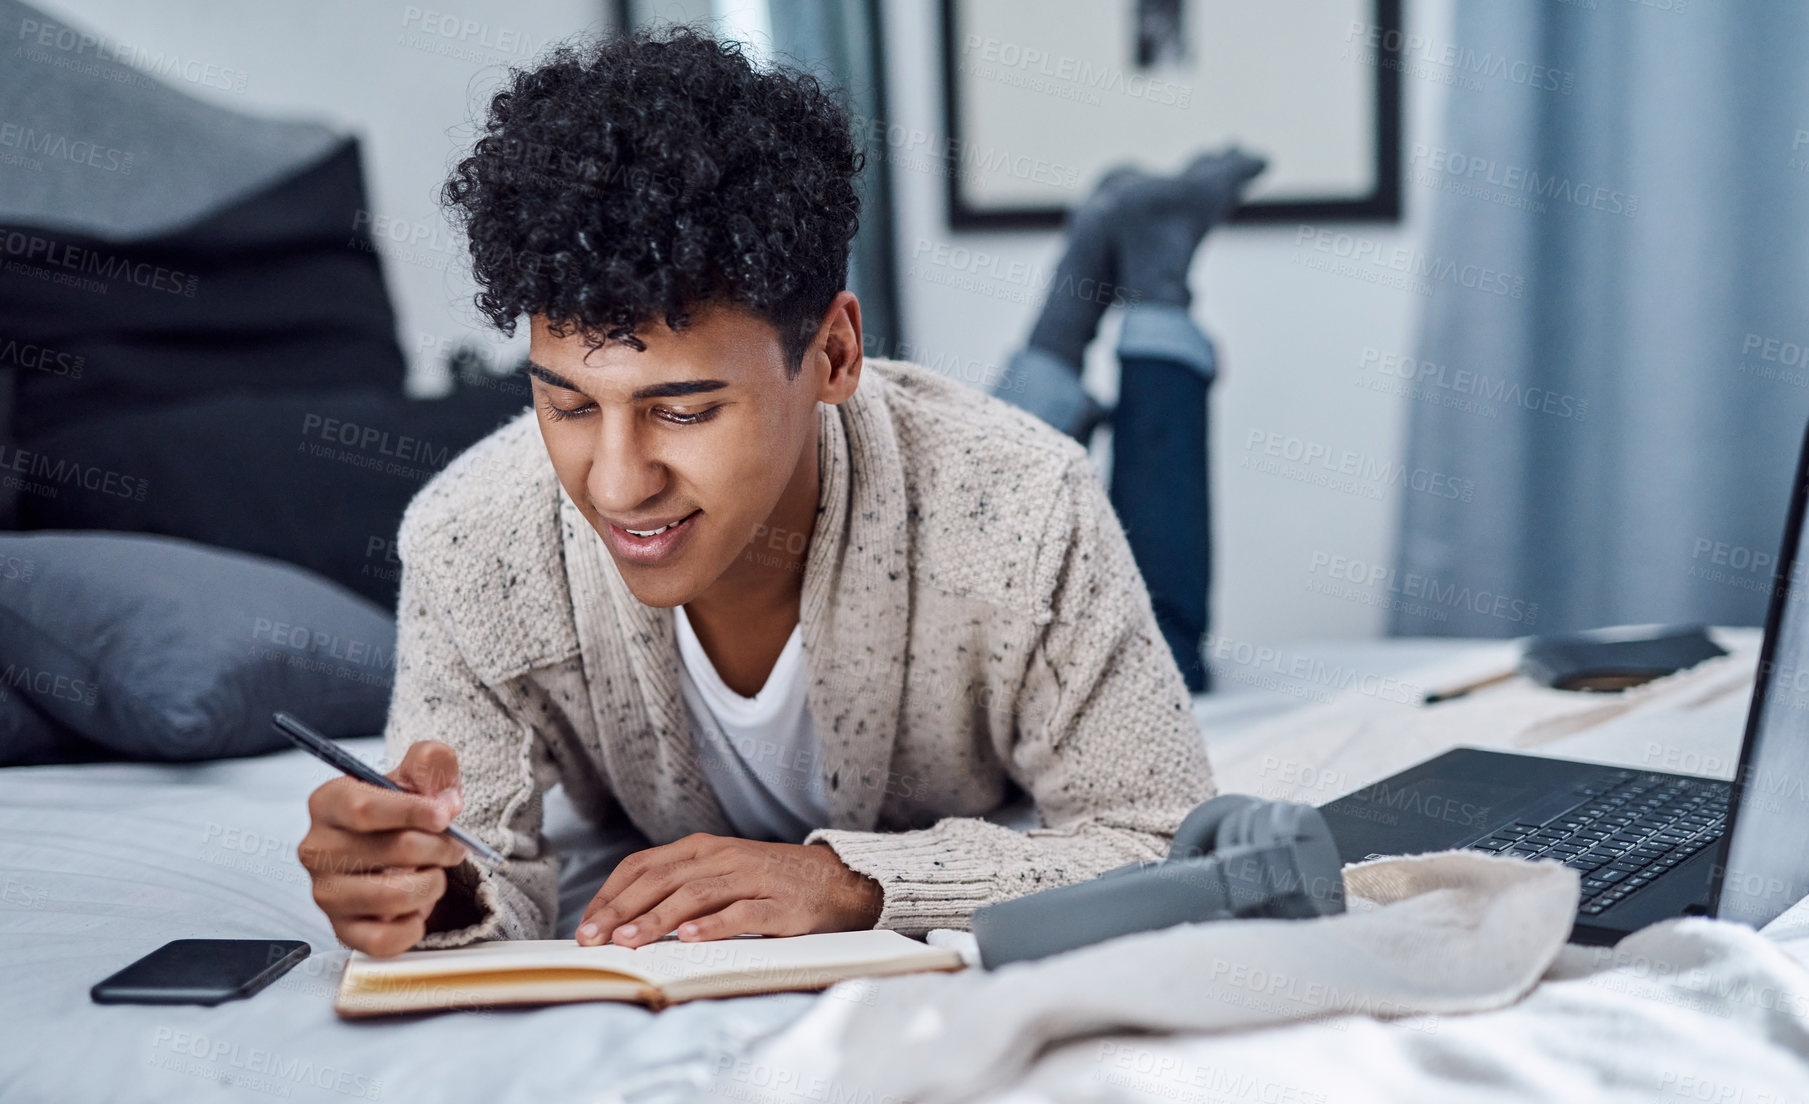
x: 1649, y: 846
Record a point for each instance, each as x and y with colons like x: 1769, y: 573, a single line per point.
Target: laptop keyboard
x: 1625, y: 830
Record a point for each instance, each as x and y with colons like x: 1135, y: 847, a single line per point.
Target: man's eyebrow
x: 551, y: 378
x: 673, y: 390
x: 678, y: 389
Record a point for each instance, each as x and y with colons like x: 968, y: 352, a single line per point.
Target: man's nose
x: 623, y: 474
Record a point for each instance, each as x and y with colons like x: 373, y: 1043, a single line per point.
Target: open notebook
x: 549, y: 971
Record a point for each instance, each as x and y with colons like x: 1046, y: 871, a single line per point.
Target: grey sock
x: 1084, y: 282
x: 1160, y: 220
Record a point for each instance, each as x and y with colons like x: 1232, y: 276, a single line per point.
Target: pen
x: 1447, y: 693
x: 338, y: 758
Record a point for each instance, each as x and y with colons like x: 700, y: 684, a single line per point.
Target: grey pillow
x: 28, y: 737
x: 162, y: 649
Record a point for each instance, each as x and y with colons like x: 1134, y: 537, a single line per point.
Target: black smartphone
x: 201, y: 971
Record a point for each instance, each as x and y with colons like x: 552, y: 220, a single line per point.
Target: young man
x: 803, y: 620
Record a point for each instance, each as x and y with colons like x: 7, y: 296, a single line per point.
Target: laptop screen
x: 1767, y: 865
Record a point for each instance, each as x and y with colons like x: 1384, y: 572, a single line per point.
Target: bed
x: 101, y: 863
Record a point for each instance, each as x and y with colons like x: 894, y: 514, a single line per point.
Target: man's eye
x: 678, y: 417
x: 559, y: 413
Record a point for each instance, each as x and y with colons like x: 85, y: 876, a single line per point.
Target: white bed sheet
x: 1690, y: 1011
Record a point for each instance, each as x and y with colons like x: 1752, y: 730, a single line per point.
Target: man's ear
x: 838, y: 349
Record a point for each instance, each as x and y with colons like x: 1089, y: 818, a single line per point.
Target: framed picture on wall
x: 1042, y: 98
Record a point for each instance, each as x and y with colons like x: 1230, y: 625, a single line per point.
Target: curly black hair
x: 632, y: 179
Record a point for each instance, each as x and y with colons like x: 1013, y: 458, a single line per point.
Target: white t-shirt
x: 760, y: 753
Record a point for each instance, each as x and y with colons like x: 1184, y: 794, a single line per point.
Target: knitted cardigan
x: 973, y: 623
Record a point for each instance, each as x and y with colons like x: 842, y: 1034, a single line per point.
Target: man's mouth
x: 653, y: 541
x: 653, y: 532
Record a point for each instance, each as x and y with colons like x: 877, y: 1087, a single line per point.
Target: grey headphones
x: 1233, y: 857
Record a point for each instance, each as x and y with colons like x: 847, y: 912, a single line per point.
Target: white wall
x: 407, y: 78
x: 1290, y: 340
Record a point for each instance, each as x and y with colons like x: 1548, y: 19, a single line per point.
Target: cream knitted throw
x: 973, y: 625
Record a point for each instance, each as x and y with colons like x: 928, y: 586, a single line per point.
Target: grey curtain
x: 1613, y: 352
x: 838, y: 41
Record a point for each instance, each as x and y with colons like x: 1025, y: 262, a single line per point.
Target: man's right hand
x: 377, y: 857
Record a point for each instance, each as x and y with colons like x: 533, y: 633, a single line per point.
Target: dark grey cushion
x: 162, y: 649
x: 28, y: 737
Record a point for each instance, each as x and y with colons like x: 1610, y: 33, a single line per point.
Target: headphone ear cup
x: 1321, y: 867
x: 1261, y: 824
x: 1200, y: 832
x: 1302, y: 873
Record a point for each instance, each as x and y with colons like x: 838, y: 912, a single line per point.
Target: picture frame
x: 1036, y: 106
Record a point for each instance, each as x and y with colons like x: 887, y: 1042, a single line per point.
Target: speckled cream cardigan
x: 973, y: 625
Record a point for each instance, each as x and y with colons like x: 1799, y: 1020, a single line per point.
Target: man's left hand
x: 715, y: 887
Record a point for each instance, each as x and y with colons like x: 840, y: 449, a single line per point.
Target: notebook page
x: 800, y: 956
x: 499, y: 956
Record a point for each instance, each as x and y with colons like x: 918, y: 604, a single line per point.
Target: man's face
x: 678, y: 452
